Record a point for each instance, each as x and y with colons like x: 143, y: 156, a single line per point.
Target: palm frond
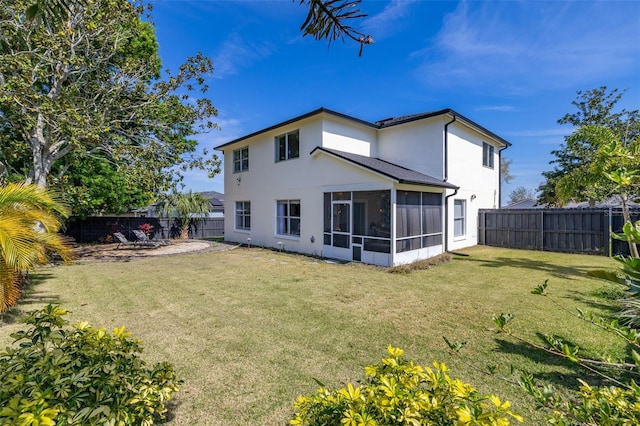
x: 30, y: 218
x: 329, y: 19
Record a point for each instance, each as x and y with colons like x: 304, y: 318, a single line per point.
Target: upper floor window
x: 487, y: 155
x: 288, y: 146
x: 241, y: 160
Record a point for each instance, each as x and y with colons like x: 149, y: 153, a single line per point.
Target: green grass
x: 249, y: 329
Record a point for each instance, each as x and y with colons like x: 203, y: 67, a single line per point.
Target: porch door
x: 341, y: 229
x: 359, y: 228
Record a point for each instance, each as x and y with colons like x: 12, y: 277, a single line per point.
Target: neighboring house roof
x: 216, y: 198
x: 527, y: 203
x: 382, y: 124
x: 393, y: 171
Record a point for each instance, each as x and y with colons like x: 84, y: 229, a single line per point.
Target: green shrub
x: 79, y: 376
x: 398, y: 392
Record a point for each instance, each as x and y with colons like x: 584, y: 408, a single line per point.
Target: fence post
x: 541, y: 230
x: 610, y: 231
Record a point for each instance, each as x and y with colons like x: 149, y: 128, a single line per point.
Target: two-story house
x: 386, y: 193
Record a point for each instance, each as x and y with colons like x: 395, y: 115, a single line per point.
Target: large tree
x: 86, y: 85
x: 521, y: 193
x: 596, y: 107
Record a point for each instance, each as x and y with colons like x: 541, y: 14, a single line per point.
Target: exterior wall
x: 417, y: 145
x: 344, y: 136
x: 479, y: 185
x: 302, y: 178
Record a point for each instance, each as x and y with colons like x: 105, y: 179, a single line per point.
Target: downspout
x: 446, y: 220
x: 500, y: 175
x: 446, y: 176
x: 446, y: 149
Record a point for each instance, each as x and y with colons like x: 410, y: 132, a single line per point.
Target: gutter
x: 446, y: 149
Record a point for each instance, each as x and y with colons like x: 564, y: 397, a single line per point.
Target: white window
x: 459, y: 218
x: 487, y: 155
x: 243, y: 215
x: 288, y: 217
x: 288, y: 146
x: 241, y: 160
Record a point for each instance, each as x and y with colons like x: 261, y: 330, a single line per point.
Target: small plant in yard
x: 615, y: 404
x: 399, y: 392
x: 147, y: 228
x: 79, y: 376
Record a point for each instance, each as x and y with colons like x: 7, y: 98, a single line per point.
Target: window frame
x: 287, y: 150
x: 288, y: 217
x: 242, y: 212
x: 462, y: 219
x: 488, y: 154
x: 238, y: 163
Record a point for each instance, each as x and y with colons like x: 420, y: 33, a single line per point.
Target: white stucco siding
x: 301, y: 178
x: 343, y: 136
x: 479, y: 185
x: 416, y: 145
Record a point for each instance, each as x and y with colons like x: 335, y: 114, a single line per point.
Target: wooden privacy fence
x: 560, y: 230
x: 94, y: 229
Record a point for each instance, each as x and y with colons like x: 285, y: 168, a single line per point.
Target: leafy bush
x: 79, y: 376
x: 617, y: 404
x: 399, y: 392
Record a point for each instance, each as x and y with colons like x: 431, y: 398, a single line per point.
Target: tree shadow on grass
x: 32, y: 298
x: 566, y: 379
x: 553, y: 269
x: 588, y: 300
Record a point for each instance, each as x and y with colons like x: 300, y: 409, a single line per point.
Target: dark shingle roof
x: 388, y: 122
x: 393, y: 171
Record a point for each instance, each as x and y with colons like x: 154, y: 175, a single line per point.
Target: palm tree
x: 187, y: 208
x: 30, y: 217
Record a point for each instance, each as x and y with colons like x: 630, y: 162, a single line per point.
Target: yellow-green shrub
x: 399, y: 392
x: 79, y: 376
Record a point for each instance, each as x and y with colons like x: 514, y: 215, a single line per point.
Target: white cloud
x: 389, y: 20
x: 236, y: 53
x: 524, y: 47
x: 500, y: 108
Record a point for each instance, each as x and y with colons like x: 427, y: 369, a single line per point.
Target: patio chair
x: 142, y: 238
x: 122, y: 240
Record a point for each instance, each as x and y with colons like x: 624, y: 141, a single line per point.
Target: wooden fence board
x: 560, y: 230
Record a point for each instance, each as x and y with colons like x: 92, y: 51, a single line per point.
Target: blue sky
x: 511, y: 66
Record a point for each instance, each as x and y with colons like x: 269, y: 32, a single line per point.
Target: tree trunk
x: 184, y: 230
x: 42, y: 158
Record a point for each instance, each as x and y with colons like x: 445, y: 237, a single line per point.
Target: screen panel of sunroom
x: 418, y: 220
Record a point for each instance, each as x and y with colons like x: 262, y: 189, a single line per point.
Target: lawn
x: 249, y: 330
